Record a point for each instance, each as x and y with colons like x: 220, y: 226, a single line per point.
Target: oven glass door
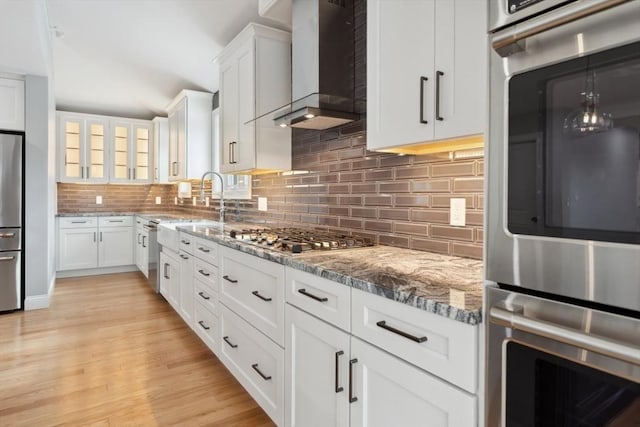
x: 543, y: 390
x: 574, y: 148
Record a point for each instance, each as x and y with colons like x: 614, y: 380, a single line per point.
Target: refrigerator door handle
x: 7, y: 258
x: 7, y: 235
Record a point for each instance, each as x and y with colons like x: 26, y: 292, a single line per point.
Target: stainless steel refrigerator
x: 11, y: 220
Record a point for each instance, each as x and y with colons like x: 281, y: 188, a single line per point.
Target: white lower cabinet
x: 115, y: 246
x: 391, y: 392
x: 77, y: 248
x: 184, y: 292
x: 317, y: 369
x: 255, y: 360
x: 169, y: 271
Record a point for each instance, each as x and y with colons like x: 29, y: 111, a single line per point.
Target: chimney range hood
x: 322, y: 61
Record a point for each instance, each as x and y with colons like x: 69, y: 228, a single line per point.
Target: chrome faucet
x: 202, y: 199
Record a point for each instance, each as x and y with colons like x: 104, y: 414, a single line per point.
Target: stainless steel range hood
x: 323, y: 56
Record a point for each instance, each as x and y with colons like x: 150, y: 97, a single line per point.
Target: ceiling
x: 131, y: 57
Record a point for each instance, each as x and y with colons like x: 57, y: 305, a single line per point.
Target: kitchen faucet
x: 221, y: 193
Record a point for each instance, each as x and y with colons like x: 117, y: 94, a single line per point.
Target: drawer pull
x: 383, y: 325
x: 315, y: 297
x: 352, y: 398
x: 183, y: 256
x: 232, y: 345
x: 264, y: 377
x: 205, y: 250
x: 7, y: 235
x: 78, y: 222
x: 116, y: 220
x: 203, y: 326
x: 229, y: 279
x: 338, y: 354
x: 204, y: 296
x: 256, y: 293
x: 185, y: 242
x: 204, y: 273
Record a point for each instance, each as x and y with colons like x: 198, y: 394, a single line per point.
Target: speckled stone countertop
x: 445, y: 285
x: 168, y: 217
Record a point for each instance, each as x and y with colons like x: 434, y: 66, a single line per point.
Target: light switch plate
x: 457, y: 213
x: 158, y: 200
x: 262, y: 203
x: 98, y: 200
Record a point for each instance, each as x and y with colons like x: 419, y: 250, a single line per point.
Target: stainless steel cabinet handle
x: 185, y: 242
x: 94, y: 236
x: 608, y: 347
x: 7, y: 258
x: 174, y: 168
x: 232, y: 345
x: 82, y: 172
x: 204, y: 273
x: 88, y: 175
x: 166, y: 271
x: 183, y: 256
x: 205, y: 250
x: 129, y: 173
x: 439, y: 75
x: 511, y: 41
x: 143, y: 241
x: 7, y: 235
x: 142, y: 238
x: 229, y: 279
x: 264, y: 377
x: 134, y: 174
x: 78, y: 222
x: 423, y: 79
x: 116, y: 220
x: 383, y: 324
x: 338, y: 388
x: 156, y: 173
x: 204, y: 296
x: 230, y: 151
x: 203, y: 326
x: 257, y: 293
x: 139, y: 239
x: 310, y: 295
x: 352, y: 398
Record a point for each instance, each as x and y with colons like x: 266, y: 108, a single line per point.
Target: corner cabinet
x: 255, y: 79
x: 189, y: 135
x: 12, y: 104
x: 434, y: 99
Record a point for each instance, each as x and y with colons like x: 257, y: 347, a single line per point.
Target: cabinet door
x: 161, y: 150
x: 12, y: 104
x: 316, y: 372
x: 141, y: 252
x: 391, y: 392
x: 116, y: 247
x: 245, y: 150
x: 181, y: 125
x: 142, y: 153
x: 185, y: 298
x: 400, y: 103
x: 173, y: 145
x: 121, y: 169
x: 461, y: 58
x: 77, y: 248
x: 96, y: 155
x: 71, y: 142
x: 164, y: 270
x: 174, y: 287
x: 229, y: 121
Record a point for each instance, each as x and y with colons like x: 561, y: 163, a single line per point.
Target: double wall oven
x: 563, y: 228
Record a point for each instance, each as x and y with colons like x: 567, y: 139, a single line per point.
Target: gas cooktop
x: 297, y: 240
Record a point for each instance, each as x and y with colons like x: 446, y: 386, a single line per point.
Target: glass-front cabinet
x: 103, y: 149
x: 82, y: 148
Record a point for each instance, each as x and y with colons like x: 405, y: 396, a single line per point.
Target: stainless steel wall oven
x: 563, y: 227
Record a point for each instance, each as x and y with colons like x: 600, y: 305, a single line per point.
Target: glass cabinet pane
x: 142, y: 157
x: 96, y: 150
x: 72, y: 159
x: 121, y: 152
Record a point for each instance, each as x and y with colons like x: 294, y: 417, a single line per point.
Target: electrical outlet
x: 195, y: 201
x: 206, y: 201
x: 457, y: 212
x: 262, y: 203
x: 175, y: 200
x: 158, y: 200
x: 98, y: 200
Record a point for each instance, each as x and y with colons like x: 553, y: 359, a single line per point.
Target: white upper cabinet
x: 12, y: 104
x: 432, y: 99
x: 161, y: 150
x: 255, y: 79
x: 82, y: 140
x: 190, y: 135
x: 131, y: 151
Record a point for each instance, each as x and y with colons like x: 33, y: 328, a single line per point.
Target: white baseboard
x: 95, y: 271
x: 36, y: 302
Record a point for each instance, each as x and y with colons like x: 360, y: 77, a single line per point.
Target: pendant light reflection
x: 588, y: 119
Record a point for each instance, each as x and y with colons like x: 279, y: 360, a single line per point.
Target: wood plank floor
x: 110, y: 352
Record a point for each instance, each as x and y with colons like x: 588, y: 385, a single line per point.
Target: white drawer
x: 254, y: 288
x: 205, y: 272
x: 206, y: 250
x: 206, y: 326
x: 256, y: 362
x: 450, y: 348
x: 186, y: 242
x: 205, y: 295
x: 78, y: 222
x: 325, y: 299
x: 115, y: 221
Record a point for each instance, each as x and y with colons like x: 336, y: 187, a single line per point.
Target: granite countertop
x: 147, y: 215
x: 445, y: 285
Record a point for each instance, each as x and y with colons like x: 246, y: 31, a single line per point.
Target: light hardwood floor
x: 110, y: 352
